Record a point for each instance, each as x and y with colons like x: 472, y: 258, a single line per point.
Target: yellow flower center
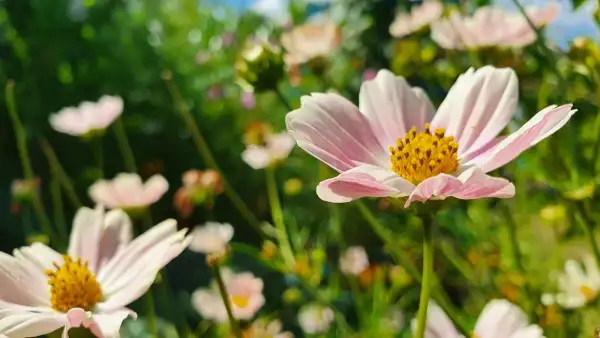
x: 240, y: 301
x: 419, y: 156
x: 588, y: 292
x: 73, y: 285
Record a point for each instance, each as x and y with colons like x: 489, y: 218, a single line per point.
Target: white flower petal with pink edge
x: 309, y: 41
x: 127, y: 191
x: 88, y: 116
x: 123, y: 269
x: 419, y: 17
x: 211, y: 238
x: 369, y: 146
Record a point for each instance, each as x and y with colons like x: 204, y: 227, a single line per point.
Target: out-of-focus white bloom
x: 499, y: 318
x: 576, y: 287
x: 88, y: 117
x: 127, y: 191
x: 245, y: 293
x: 491, y: 27
x: 354, y: 261
x: 211, y: 238
x: 261, y: 328
x: 419, y: 17
x: 277, y: 147
x: 314, y: 319
x: 310, y: 41
x: 394, y: 320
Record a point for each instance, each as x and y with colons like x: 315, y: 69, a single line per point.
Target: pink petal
x: 363, y: 181
x: 117, y: 233
x: 29, y: 324
x: 13, y: 289
x: 483, y: 151
x: 478, y: 107
x: 154, y: 188
x: 471, y: 184
x: 280, y: 145
x: 500, y: 318
x: 331, y: 128
x: 102, y: 192
x: 393, y: 107
x: 101, y: 325
x: 86, y: 234
x: 542, y: 125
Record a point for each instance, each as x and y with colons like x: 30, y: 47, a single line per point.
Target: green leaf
x: 577, y: 3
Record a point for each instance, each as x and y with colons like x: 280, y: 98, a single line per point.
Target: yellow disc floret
x: 73, y: 285
x: 419, y: 156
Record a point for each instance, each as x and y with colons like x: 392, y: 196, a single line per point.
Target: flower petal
x: 117, y: 233
x: 256, y: 157
x: 86, y: 234
x: 393, y: 107
x: 363, y: 181
x: 542, y: 125
x: 102, y: 192
x: 478, y: 106
x: 331, y: 128
x: 438, y: 324
x: 500, y: 319
x: 154, y: 188
x: 19, y: 323
x: 13, y: 273
x: 532, y: 331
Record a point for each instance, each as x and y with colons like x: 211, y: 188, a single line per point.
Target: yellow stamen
x: 240, y: 301
x: 588, y: 292
x: 419, y: 156
x: 73, y: 285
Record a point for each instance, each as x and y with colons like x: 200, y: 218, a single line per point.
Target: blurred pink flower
x: 244, y: 290
x: 277, y: 147
x: 393, y: 146
x: 211, y: 238
x: 491, y: 27
x: 354, y: 261
x: 126, y: 191
x: 228, y: 39
x: 88, y: 117
x: 315, y: 319
x: 248, y: 100
x: 419, y: 17
x: 310, y: 41
x: 369, y: 74
x: 102, y: 272
x: 499, y: 318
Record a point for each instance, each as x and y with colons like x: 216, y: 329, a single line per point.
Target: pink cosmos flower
x: 126, y: 191
x: 419, y: 17
x: 277, y: 147
x: 103, y: 271
x: 489, y: 27
x: 394, y: 146
x: 211, y: 238
x: 499, y: 319
x: 248, y: 100
x: 245, y: 292
x: 88, y: 117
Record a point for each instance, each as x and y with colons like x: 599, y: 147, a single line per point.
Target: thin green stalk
x: 207, y: 156
x: 428, y: 273
x: 21, y: 139
x: 283, y: 99
x: 150, y: 314
x: 99, y: 156
x: 586, y: 223
x: 277, y: 214
x: 216, y: 269
x: 58, y: 210
x: 58, y: 170
x: 124, y: 146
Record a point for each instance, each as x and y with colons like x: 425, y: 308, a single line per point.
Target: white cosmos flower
x: 126, y: 191
x: 88, y: 117
x: 354, y: 261
x: 576, y: 286
x: 315, y: 319
x: 211, y: 238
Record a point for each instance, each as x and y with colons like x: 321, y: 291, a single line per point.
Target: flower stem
x: 124, y: 146
x: 277, y: 214
x: 207, y: 156
x: 589, y: 231
x: 216, y: 269
x: 99, y: 156
x: 427, y: 280
x: 283, y: 99
x: 59, y: 171
x: 21, y: 139
x: 57, y: 204
x: 150, y: 313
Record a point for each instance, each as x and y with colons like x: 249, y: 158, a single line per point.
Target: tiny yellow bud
x: 292, y: 187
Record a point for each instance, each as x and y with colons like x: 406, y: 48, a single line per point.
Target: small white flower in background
x: 419, y: 17
x: 491, y: 27
x: 245, y: 292
x: 354, y: 261
x: 261, y: 328
x: 103, y: 271
x: 128, y: 192
x: 211, y: 238
x: 310, y: 41
x: 88, y: 118
x: 277, y: 147
x: 499, y: 318
x: 314, y: 319
x: 576, y: 286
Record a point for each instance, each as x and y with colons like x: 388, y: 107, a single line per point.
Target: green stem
x: 216, y: 269
x: 57, y: 204
x: 277, y: 214
x: 58, y: 170
x: 589, y: 231
x: 283, y: 99
x: 124, y: 146
x: 428, y: 273
x: 207, y: 156
x: 151, y: 315
x: 98, y: 154
x: 21, y: 139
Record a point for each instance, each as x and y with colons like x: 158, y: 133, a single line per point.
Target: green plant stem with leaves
x: 21, y: 139
x: 59, y: 171
x: 207, y: 156
x: 428, y: 275
x: 216, y: 270
x: 277, y: 214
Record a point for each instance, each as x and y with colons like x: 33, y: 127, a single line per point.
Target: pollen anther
x: 73, y: 285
